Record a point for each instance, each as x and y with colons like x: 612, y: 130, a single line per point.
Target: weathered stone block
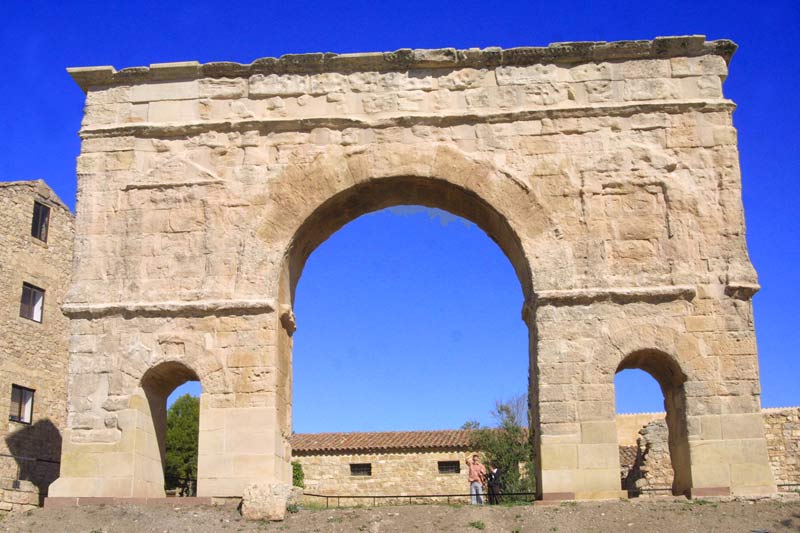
x: 222, y: 88
x: 265, y: 501
x: 651, y: 89
x: 559, y: 457
x: 278, y: 85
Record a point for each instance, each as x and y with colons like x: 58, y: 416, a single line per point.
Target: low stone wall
x: 782, y: 427
x: 24, y: 482
x: 402, y: 473
x: 651, y: 471
x: 18, y: 495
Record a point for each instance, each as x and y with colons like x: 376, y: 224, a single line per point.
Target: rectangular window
x: 41, y: 220
x: 360, y: 469
x: 21, y: 404
x: 449, y: 467
x: 32, y: 304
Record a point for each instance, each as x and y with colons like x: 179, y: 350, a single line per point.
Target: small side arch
x: 683, y: 349
x: 666, y: 370
x: 150, y: 400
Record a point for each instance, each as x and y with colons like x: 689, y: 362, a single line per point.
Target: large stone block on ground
x: 262, y: 501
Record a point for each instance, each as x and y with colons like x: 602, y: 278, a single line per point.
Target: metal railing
x: 415, y: 498
x: 651, y: 490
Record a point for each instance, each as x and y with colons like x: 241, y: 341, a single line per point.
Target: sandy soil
x: 638, y: 516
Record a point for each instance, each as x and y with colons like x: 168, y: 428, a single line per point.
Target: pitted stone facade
x: 607, y: 172
x: 33, y: 348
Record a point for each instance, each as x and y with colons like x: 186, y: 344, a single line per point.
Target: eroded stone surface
x: 607, y: 173
x: 265, y: 502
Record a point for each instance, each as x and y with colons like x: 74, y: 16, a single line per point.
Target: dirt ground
x: 640, y: 516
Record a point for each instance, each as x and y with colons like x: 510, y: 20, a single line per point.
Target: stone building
x: 36, y: 234
x: 608, y: 173
x: 404, y: 463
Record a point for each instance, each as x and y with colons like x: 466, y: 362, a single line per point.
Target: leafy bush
x: 298, y: 477
x: 508, y: 446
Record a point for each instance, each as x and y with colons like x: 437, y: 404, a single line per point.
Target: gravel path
x: 638, y: 516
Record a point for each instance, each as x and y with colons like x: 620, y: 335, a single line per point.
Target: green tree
x: 298, y: 477
x: 183, y: 423
x: 508, y: 445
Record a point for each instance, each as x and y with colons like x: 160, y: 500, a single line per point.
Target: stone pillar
x: 238, y: 446
x: 728, y: 449
x: 573, y: 412
x: 124, y: 467
x: 727, y: 445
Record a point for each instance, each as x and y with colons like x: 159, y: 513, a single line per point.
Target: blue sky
x: 429, y: 302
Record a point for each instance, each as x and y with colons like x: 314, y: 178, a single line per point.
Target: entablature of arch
x: 437, y: 88
x: 448, y: 118
x: 406, y: 58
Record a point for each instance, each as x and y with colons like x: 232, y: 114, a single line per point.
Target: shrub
x: 298, y: 478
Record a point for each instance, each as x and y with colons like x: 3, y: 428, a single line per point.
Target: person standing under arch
x: 494, y: 484
x: 477, y: 477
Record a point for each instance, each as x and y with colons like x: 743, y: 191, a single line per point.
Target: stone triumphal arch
x: 607, y: 172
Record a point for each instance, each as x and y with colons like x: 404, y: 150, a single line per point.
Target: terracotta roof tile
x: 386, y: 440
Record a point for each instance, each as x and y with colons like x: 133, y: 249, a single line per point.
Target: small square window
x: 32, y: 304
x: 449, y: 467
x: 21, y: 404
x: 360, y: 469
x: 41, y: 221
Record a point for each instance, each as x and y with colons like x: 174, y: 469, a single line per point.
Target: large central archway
x: 446, y: 179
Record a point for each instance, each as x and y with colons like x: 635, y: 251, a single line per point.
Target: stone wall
x: 400, y: 472
x: 32, y: 355
x: 651, y: 471
x: 782, y: 427
x: 629, y: 424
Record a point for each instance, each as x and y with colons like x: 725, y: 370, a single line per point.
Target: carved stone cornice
x: 406, y: 59
x: 741, y: 290
x: 620, y: 295
x: 278, y: 125
x: 170, y: 308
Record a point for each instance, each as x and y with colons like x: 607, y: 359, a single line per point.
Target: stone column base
x: 705, y: 492
x: 584, y: 495
x: 64, y: 501
x: 602, y: 495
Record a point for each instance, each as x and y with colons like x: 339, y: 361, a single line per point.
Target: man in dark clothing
x: 495, y: 484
